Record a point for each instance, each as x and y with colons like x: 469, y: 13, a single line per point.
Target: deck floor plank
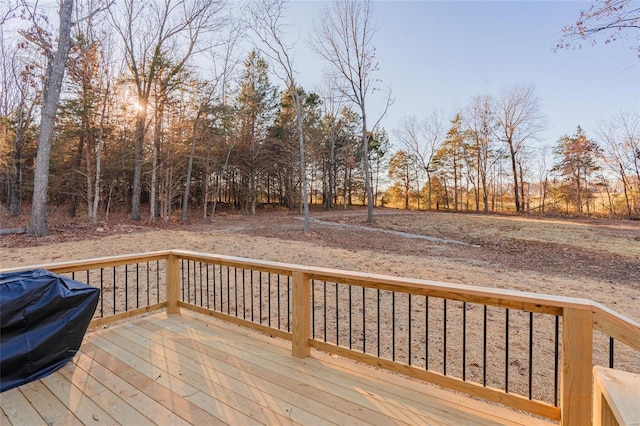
x: 393, y: 387
x: 117, y: 407
x: 47, y: 405
x: 80, y: 404
x: 128, y: 394
x: 428, y: 397
x: 191, y: 369
x: 18, y: 410
x: 261, y: 367
x: 345, y: 396
x: 264, y: 392
x: 222, y: 402
x: 172, y: 400
x: 241, y: 395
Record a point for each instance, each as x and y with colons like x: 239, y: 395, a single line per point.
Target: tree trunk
x: 516, y: 192
x: 15, y: 198
x: 219, y: 184
x: 187, y: 186
x: 137, y: 170
x: 429, y: 189
x: 96, y: 190
x: 303, y: 167
x: 75, y: 181
x: 38, y: 225
x: 524, y: 201
x: 332, y: 162
x: 365, y: 160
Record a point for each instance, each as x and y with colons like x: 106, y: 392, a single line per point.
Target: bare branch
x: 614, y: 19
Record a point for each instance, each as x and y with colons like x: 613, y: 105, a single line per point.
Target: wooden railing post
x: 577, y: 364
x: 300, y: 314
x: 173, y: 284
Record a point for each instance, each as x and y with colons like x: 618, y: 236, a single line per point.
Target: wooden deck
x: 190, y: 369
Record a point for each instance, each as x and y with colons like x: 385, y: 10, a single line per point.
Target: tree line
x: 486, y: 159
x: 158, y: 107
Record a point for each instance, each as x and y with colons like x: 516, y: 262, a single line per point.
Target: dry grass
x: 595, y: 259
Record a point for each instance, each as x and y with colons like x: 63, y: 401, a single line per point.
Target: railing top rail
x: 618, y: 326
x: 241, y: 262
x: 79, y: 265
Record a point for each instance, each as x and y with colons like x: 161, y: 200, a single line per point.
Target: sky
x: 440, y: 54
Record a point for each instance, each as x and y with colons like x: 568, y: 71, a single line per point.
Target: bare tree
x: 224, y: 66
x: 420, y: 140
x: 331, y: 105
x: 7, y: 10
x: 152, y: 34
x: 615, y: 18
x: 620, y: 138
x: 265, y: 20
x: 480, y: 117
x: 19, y: 97
x: 56, y: 63
x: 519, y: 119
x: 344, y: 38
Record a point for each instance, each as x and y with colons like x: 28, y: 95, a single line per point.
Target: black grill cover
x: 43, y: 318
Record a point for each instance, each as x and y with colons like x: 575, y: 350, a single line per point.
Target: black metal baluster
x: 101, y: 292
x: 324, y: 302
x: 278, y: 290
x: 289, y: 303
x: 208, y: 278
x: 228, y: 290
x: 260, y: 295
x: 555, y: 362
x: 252, y: 301
x: 269, y: 297
x: 313, y: 309
x: 244, y: 295
x: 610, y: 352
x: 157, y: 281
x: 444, y: 340
x: 530, y: 353
x: 393, y: 326
x: 126, y: 288
x: 364, y: 327
x: 73, y: 275
x: 195, y: 283
x: 484, y: 348
x: 88, y: 283
x: 337, y: 316
x: 182, y: 280
x: 221, y: 282
x: 409, y: 329
x: 426, y: 332
x: 188, y: 299
x: 464, y: 341
x: 114, y: 290
x: 506, y: 351
x: 137, y: 286
x: 235, y: 288
x: 378, y: 320
x: 199, y: 284
x: 148, y: 284
x: 213, y: 285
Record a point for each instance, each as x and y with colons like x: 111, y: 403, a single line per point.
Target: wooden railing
x: 399, y: 324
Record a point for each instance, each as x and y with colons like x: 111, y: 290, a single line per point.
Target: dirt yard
x: 597, y: 259
x: 593, y: 259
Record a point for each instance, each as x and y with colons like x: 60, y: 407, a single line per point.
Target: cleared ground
x: 598, y: 259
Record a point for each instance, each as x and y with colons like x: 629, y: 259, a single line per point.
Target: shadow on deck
x: 191, y: 369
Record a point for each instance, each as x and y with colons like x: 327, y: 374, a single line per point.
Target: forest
x: 169, y: 110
